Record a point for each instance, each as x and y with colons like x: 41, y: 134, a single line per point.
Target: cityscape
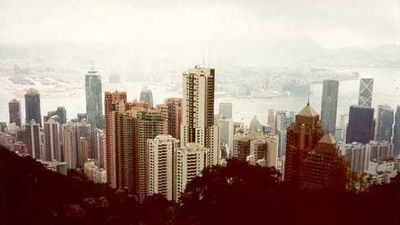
x: 199, y: 139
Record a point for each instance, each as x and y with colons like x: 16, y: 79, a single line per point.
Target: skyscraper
x: 225, y: 110
x: 161, y: 165
x: 255, y: 125
x: 70, y: 147
x: 60, y: 113
x: 94, y: 106
x: 329, y: 104
x: 283, y: 120
x: 33, y: 139
x: 114, y: 105
x: 384, y: 125
x: 226, y: 136
x: 32, y: 106
x: 52, y: 140
x: 172, y: 110
x: 360, y: 127
x: 396, y: 132
x: 128, y: 127
x: 98, y: 146
x: 190, y: 162
x: 271, y: 119
x: 198, y: 111
x: 323, y: 167
x: 14, y: 111
x: 302, y: 137
x: 146, y: 96
x: 365, y: 93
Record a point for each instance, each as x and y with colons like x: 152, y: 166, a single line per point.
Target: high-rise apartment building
x: 357, y: 155
x: 70, y: 147
x: 365, y: 92
x: 161, y: 165
x: 32, y: 106
x: 396, y: 132
x: 146, y: 95
x: 128, y: 127
x: 14, y: 111
x: 271, y: 119
x: 190, y: 162
x: 98, y: 145
x: 52, y: 134
x: 329, y: 104
x: 114, y: 105
x: 361, y: 124
x: 172, y: 111
x: 384, y: 123
x: 225, y: 110
x: 60, y: 113
x: 198, y: 111
x: 94, y: 104
x: 33, y: 139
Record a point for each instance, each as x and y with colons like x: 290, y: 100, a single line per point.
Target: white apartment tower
x: 198, y: 111
x: 161, y: 165
x: 190, y: 161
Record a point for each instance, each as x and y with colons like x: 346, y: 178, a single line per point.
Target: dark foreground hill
x: 236, y: 194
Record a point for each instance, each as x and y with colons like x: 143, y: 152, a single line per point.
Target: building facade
x: 365, y: 92
x: 14, y: 112
x: 384, y: 123
x: 360, y: 127
x: 32, y: 106
x: 94, y: 104
x: 330, y: 91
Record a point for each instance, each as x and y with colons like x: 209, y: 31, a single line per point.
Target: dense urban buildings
x: 94, y: 104
x: 396, y: 132
x: 32, y: 106
x: 330, y: 90
x: 365, y: 92
x: 60, y: 113
x: 146, y: 95
x: 384, y: 123
x: 15, y: 112
x: 198, y: 111
x: 361, y: 124
x: 172, y: 108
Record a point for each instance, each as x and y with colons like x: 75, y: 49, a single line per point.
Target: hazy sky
x: 332, y: 23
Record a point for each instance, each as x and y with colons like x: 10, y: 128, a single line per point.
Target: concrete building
x: 283, y: 120
x: 365, y: 92
x: 361, y: 125
x: 161, y: 165
x: 255, y: 125
x: 302, y: 137
x: 226, y: 136
x: 33, y: 139
x: 357, y: 156
x: 396, y: 132
x: 198, y: 111
x: 190, y: 162
x: 52, y: 134
x: 98, y: 146
x: 94, y: 104
x: 32, y: 106
x: 172, y: 111
x: 330, y: 91
x: 15, y: 112
x: 70, y: 147
x: 384, y: 123
x: 382, y: 171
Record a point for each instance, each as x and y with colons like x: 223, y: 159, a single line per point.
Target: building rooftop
x: 308, y: 111
x: 327, y: 139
